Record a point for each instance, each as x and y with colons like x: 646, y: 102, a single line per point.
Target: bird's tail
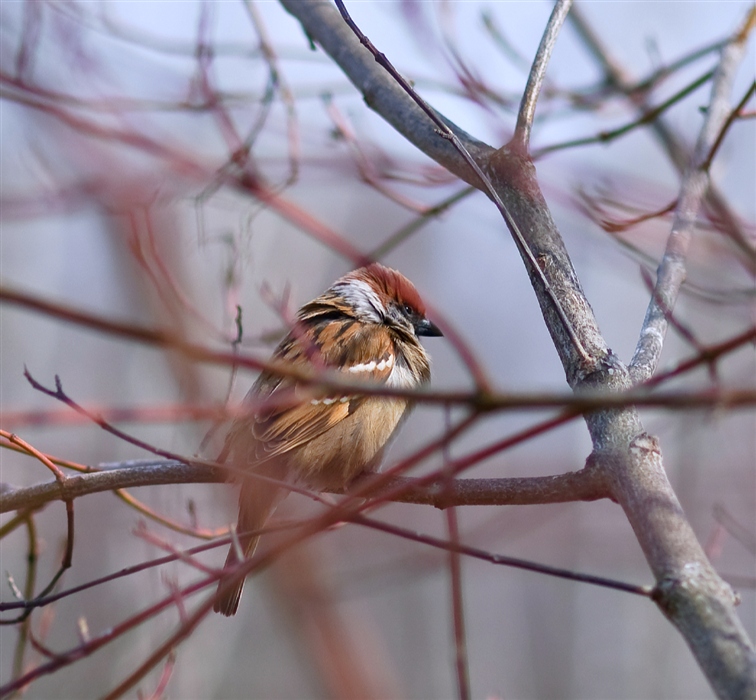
x: 257, y: 501
x: 229, y: 591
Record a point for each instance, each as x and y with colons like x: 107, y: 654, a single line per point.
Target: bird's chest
x: 353, y: 447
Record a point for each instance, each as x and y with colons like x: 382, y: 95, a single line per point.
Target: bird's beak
x: 427, y: 328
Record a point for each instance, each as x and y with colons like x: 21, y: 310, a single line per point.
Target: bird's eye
x: 408, y: 310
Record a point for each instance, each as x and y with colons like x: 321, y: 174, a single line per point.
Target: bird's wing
x: 363, y: 353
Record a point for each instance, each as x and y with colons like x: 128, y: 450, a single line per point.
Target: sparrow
x: 365, y: 326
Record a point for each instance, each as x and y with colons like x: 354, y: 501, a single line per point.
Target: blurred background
x: 120, y: 197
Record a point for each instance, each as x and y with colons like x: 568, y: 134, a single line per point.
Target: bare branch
x: 573, y: 486
x: 538, y: 72
x: 672, y: 270
x: 734, y: 114
x: 280, y: 84
x: 159, y: 473
x: 481, y: 399
x: 708, y: 355
x: 647, y: 117
x: 405, y: 232
x: 677, y: 151
x: 512, y: 562
x: 457, y: 597
x: 502, y: 177
x: 90, y: 646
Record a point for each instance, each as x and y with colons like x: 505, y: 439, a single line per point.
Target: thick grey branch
x: 688, y: 591
x: 584, y: 485
x: 139, y: 473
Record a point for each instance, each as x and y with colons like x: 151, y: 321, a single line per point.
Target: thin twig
x: 188, y: 168
x: 148, y: 512
x: 24, y: 621
x: 61, y: 480
x: 537, y: 73
x: 317, y: 379
x: 648, y: 117
x: 401, y: 235
x: 734, y: 114
x: 165, y: 677
x: 455, y: 576
x: 745, y: 535
x: 499, y: 559
x: 257, y: 562
x: 279, y: 85
x: 152, y: 414
x: 458, y: 614
x: 91, y: 646
x: 14, y: 439
x: 365, y: 166
x: 707, y: 355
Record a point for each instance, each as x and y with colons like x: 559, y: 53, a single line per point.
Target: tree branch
x: 672, y: 270
x: 689, y: 591
x: 617, y: 77
x: 538, y: 72
x: 583, y: 485
x: 481, y: 400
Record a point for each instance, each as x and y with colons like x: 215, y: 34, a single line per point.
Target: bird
x: 366, y: 326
